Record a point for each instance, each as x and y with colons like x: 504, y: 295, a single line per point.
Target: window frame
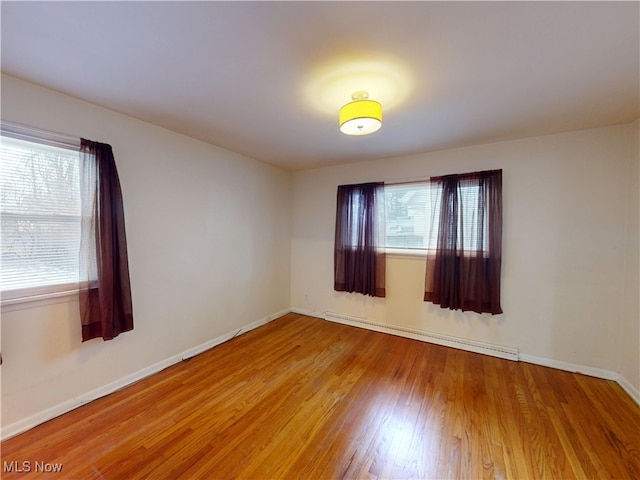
x: 415, y: 252
x: 419, y: 252
x: 29, y: 297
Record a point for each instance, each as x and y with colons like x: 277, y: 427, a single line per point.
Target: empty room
x: 320, y: 240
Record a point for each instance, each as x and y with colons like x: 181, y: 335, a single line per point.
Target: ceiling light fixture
x: 362, y: 116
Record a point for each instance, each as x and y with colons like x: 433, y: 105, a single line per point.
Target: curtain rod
x: 54, y: 139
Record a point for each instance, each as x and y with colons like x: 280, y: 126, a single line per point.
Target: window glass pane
x: 473, y: 231
x: 40, y: 215
x: 410, y: 215
x: 412, y: 212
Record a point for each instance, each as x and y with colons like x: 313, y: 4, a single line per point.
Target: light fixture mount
x: 361, y: 116
x: 360, y: 95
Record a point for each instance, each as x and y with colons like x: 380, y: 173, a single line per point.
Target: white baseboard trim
x: 28, y: 423
x: 192, y: 352
x: 630, y: 389
x: 499, y: 351
x: 570, y: 367
x: 617, y: 377
x: 476, y: 347
x: 308, y: 313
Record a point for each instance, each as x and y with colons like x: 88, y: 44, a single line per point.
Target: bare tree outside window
x: 40, y: 215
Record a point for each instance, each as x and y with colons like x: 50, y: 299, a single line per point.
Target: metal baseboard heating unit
x: 444, y: 340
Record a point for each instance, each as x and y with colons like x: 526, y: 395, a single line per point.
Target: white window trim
x: 420, y: 253
x: 30, y: 134
x: 399, y: 252
x: 38, y: 300
x: 34, y: 297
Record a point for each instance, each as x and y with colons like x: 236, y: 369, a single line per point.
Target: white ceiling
x: 240, y: 74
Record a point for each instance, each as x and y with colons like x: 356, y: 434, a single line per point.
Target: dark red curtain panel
x: 359, y: 258
x: 464, y: 271
x: 105, y: 290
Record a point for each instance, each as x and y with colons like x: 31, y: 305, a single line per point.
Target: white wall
x: 208, y: 240
x: 564, y: 256
x: 211, y: 250
x: 630, y: 328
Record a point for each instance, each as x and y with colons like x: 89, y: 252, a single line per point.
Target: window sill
x: 405, y: 253
x: 35, y: 301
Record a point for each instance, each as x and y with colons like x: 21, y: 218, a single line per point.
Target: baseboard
x: 499, y: 351
x: 570, y: 367
x: 308, y: 313
x: 617, y: 377
x: 633, y: 392
x: 21, y: 426
x: 192, y: 352
x: 502, y: 352
x: 64, y: 407
x: 472, y: 346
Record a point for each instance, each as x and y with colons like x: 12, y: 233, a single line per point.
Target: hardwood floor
x: 302, y: 398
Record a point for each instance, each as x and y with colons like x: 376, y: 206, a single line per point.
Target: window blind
x: 412, y: 216
x: 411, y: 211
x: 40, y: 217
x: 473, y: 232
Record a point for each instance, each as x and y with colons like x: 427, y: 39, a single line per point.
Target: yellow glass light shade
x: 360, y: 117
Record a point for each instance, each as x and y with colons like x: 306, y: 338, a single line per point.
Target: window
x: 40, y: 218
x: 409, y: 215
x: 455, y: 221
x: 412, y: 212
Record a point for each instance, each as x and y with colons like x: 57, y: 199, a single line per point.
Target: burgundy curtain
x: 105, y: 291
x: 359, y: 258
x: 464, y: 271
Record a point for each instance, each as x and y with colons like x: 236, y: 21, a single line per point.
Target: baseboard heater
x: 444, y: 340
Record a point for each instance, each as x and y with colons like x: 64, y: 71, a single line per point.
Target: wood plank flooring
x: 303, y: 398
